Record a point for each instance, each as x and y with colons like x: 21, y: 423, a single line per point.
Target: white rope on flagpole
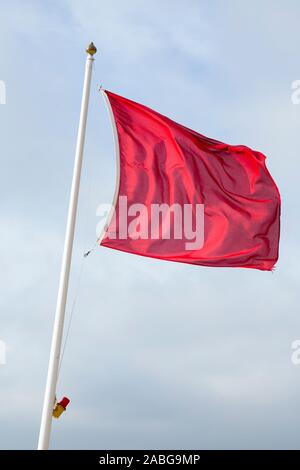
x: 49, y: 398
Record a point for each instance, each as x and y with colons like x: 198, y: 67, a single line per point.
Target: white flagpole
x: 49, y: 398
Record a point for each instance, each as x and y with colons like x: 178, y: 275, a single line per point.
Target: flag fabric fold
x: 165, y: 163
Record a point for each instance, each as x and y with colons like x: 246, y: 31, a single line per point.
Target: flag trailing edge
x: 231, y: 199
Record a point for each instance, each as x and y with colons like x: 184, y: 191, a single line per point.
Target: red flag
x: 232, y: 203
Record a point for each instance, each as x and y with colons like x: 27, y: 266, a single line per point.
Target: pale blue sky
x: 160, y: 355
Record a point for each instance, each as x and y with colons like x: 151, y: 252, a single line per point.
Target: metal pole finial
x: 91, y: 49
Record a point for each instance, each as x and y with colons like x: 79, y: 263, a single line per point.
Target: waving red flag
x: 184, y: 197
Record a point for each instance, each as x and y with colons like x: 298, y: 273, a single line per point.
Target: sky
x: 159, y: 355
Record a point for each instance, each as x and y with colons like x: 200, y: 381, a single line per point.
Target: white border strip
x: 117, y: 155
